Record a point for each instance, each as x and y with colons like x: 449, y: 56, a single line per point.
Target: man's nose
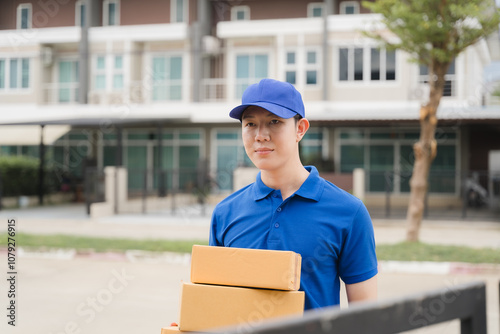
x: 262, y: 134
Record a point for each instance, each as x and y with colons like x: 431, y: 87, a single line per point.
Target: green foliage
x: 19, y: 175
x: 405, y: 251
x: 434, y: 30
x: 102, y: 244
x: 417, y: 251
x: 496, y: 92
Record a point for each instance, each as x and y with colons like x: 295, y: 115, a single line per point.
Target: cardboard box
x: 258, y: 268
x: 204, y: 307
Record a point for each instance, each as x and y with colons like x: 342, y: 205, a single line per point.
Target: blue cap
x: 280, y: 98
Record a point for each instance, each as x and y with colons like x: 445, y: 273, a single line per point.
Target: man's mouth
x: 263, y: 150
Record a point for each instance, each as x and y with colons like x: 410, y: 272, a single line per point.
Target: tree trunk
x: 425, y: 150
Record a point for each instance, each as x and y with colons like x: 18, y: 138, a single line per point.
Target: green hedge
x: 19, y: 175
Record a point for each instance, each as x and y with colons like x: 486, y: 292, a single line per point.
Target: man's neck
x: 287, y: 180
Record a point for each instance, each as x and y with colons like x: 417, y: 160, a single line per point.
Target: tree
x: 433, y: 33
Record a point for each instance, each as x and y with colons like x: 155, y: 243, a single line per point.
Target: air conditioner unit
x: 211, y: 45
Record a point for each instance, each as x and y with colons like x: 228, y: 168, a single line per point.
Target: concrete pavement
x: 138, y: 293
x: 100, y: 296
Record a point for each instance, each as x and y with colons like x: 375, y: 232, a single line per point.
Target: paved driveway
x: 99, y: 295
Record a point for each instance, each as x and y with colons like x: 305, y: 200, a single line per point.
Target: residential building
x: 149, y: 84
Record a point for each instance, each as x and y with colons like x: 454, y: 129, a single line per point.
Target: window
x: 108, y: 73
x: 312, y: 146
x: 240, y: 13
x: 167, y: 78
x: 229, y: 154
x: 315, y: 9
x: 111, y: 13
x: 68, y: 81
x: 24, y: 13
x: 100, y: 73
x: 80, y: 13
x: 250, y: 69
x: 2, y: 73
x: 387, y: 157
x: 312, y: 67
x: 349, y: 7
x: 302, y: 67
x: 382, y: 65
x: 290, y: 67
x: 181, y: 151
x: 449, y: 84
x: 350, y: 64
x: 118, y: 73
x: 14, y: 73
x: 179, y: 11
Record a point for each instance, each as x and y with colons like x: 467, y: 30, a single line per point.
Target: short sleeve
x: 358, y: 260
x: 212, y: 240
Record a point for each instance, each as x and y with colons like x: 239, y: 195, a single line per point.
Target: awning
x: 30, y: 134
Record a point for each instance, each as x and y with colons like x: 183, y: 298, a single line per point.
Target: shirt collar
x: 260, y: 189
x: 312, y: 188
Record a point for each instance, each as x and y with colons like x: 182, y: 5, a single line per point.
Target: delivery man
x: 290, y: 207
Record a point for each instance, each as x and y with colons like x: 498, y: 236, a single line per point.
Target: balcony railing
x: 61, y: 93
x: 213, y: 89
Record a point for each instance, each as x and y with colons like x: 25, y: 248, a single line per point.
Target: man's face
x: 270, y: 141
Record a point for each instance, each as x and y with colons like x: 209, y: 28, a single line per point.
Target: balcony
x: 61, y: 93
x: 312, y: 25
x: 213, y: 90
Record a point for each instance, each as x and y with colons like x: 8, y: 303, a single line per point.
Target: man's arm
x: 362, y: 291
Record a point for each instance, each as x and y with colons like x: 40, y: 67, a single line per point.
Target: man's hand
x: 362, y: 291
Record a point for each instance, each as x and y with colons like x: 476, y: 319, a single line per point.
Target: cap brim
x: 278, y: 110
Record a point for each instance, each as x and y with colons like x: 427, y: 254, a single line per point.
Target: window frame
x: 73, y: 85
x: 98, y: 72
x: 7, y: 71
x: 344, y: 4
x: 19, y: 14
x: 291, y: 67
x: 117, y: 71
x: 173, y: 12
x: 105, y: 12
x: 351, y: 64
x: 79, y: 5
x: 313, y: 67
x: 167, y: 57
x: 314, y: 5
x: 252, y: 78
x: 224, y: 173
x: 366, y: 65
x: 363, y: 137
x: 3, y: 74
x: 382, y: 63
x: 236, y: 9
x: 448, y: 77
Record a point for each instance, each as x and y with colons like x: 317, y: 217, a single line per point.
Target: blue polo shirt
x: 330, y: 228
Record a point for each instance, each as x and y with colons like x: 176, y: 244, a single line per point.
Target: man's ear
x: 302, y: 127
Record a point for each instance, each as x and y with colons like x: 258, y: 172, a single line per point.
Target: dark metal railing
x: 479, y: 192
x: 466, y: 302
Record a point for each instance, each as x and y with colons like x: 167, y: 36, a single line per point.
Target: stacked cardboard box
x: 238, y: 287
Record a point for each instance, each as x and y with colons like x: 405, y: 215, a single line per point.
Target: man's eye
x: 275, y: 121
